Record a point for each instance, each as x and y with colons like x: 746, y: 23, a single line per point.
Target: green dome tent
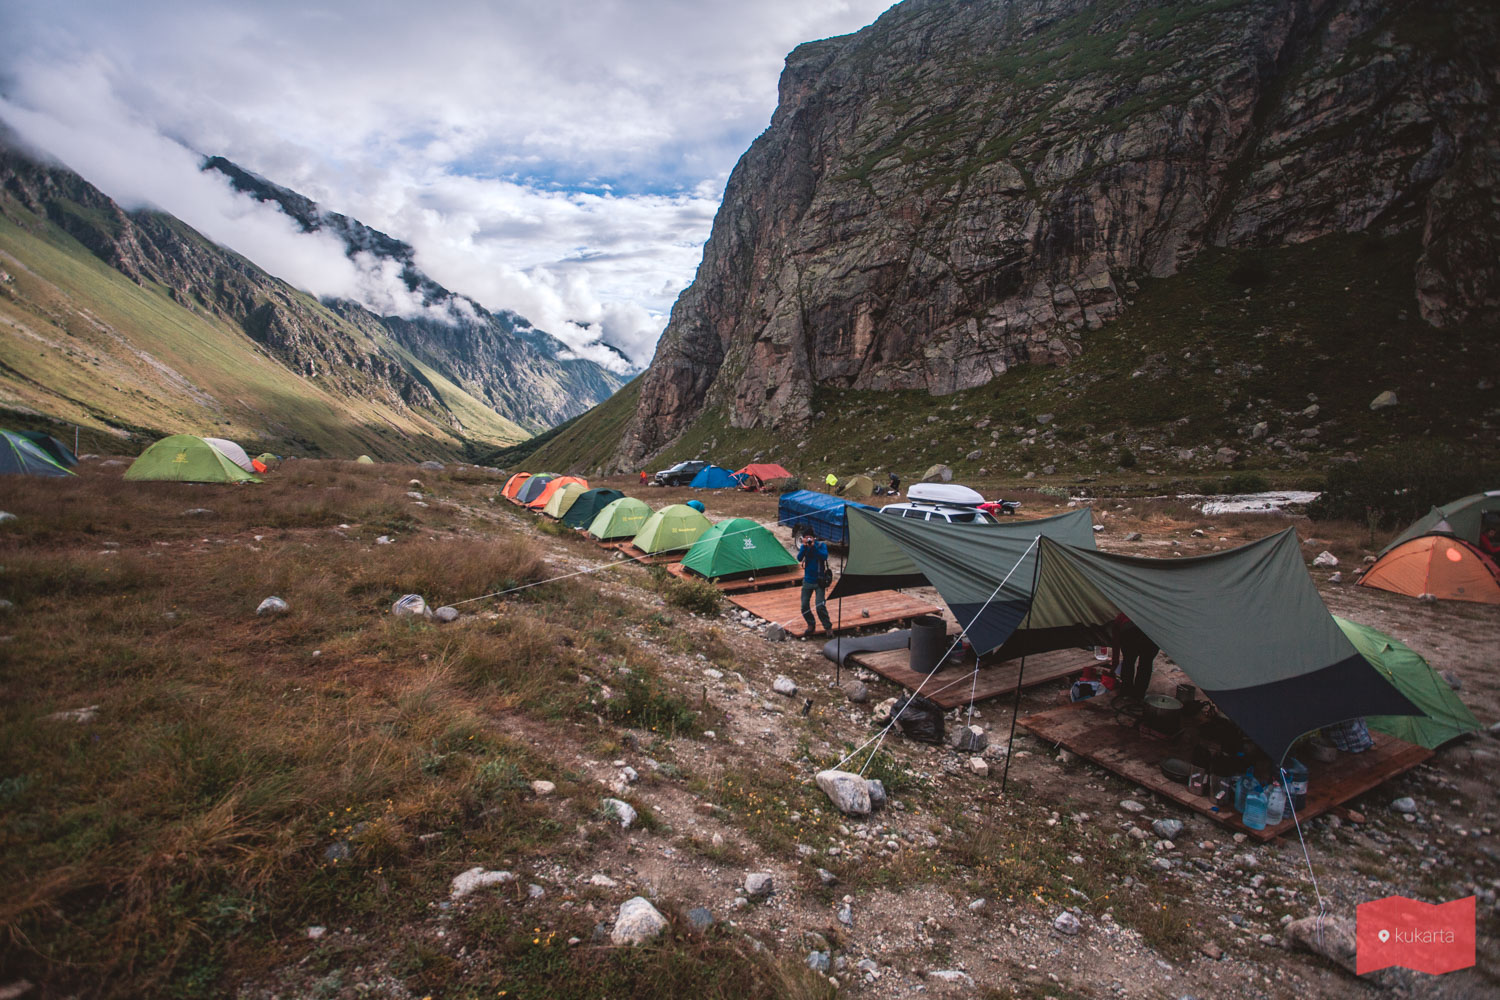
x: 858, y: 488
x: 1443, y: 716
x: 19, y: 456
x: 588, y: 505
x: 563, y: 497
x: 59, y: 452
x: 736, y: 546
x: 183, y: 458
x: 1461, y: 519
x: 364, y: 460
x: 671, y: 529
x: 620, y: 518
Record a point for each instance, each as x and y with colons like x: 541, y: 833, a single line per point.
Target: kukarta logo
x: 1427, y: 937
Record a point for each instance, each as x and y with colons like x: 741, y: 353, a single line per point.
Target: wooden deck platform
x: 761, y: 582
x: 784, y: 607
x: 952, y: 686
x: 646, y: 558
x: 1088, y: 728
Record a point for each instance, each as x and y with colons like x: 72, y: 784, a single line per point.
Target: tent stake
x: 1015, y: 709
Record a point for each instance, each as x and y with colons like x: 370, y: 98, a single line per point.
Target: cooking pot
x: 1163, y: 713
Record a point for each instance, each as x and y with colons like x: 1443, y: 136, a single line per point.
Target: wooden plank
x: 953, y: 686
x: 737, y: 585
x: 1090, y: 730
x: 784, y: 607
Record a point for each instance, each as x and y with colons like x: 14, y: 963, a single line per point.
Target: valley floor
x: 200, y: 800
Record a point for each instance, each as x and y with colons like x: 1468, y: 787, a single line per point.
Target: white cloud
x: 560, y: 159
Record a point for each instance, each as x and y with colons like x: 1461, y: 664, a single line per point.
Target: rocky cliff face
x: 964, y: 187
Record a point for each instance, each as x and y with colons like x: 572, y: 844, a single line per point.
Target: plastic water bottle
x: 1254, y: 813
x: 1275, y: 804
x: 1242, y: 788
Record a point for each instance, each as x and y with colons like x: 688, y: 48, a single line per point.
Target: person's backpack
x: 825, y: 578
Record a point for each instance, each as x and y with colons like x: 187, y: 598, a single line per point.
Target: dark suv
x: 680, y: 474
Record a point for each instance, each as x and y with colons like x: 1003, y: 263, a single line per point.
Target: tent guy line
x: 879, y: 737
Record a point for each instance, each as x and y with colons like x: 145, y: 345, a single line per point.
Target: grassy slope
x: 83, y: 344
x: 1238, y: 337
x: 583, y: 444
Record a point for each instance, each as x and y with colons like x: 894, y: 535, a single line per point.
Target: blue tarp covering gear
x: 819, y: 513
x: 714, y: 478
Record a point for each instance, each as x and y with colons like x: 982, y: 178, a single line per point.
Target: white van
x: 938, y: 512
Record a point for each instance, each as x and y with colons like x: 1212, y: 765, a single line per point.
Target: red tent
x: 753, y: 477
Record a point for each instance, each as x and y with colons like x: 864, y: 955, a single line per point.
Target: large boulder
x: 637, y: 922
x: 848, y: 792
x: 1331, y: 937
x: 938, y: 473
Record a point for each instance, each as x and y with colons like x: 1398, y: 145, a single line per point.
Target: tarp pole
x: 1015, y: 709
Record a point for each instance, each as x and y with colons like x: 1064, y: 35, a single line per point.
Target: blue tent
x: 819, y: 513
x: 714, y: 478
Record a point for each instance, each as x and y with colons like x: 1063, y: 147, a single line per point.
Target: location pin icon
x: 1384, y: 936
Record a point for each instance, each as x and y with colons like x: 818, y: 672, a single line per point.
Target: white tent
x: 231, y: 451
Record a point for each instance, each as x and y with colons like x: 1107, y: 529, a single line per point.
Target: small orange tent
x: 1445, y: 567
x: 540, y: 500
x: 513, y: 484
x: 753, y: 476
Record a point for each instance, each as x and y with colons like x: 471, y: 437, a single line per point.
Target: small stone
x: 775, y: 633
x: 818, y: 961
x: 337, y: 851
x: 876, y: 788
x: 1336, y: 578
x: 80, y: 715
x: 542, y: 788
x: 784, y: 685
x: 1067, y: 923
x: 1211, y: 950
x: 271, y: 606
x: 1329, y: 936
x: 1326, y: 559
x: 970, y: 739
x: 477, y: 878
x: 1405, y: 804
x: 637, y: 922
x: 196, y: 512
x: 620, y: 810
x: 827, y: 877
x: 602, y: 881
x: 700, y: 918
x: 384, y: 540
x: 976, y: 906
x: 955, y: 976
x: 535, y: 891
x: 1134, y: 536
x: 1384, y: 401
x: 846, y: 914
x: 431, y: 466
x: 1132, y: 806
x: 759, y: 886
x: 857, y: 692
x: 1167, y: 829
x: 315, y: 932
x: 979, y: 766
x: 446, y: 613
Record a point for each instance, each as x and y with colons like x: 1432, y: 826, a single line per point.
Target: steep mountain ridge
x: 962, y: 189
x: 199, y: 336
x: 471, y: 378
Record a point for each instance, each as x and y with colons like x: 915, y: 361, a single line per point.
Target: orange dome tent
x: 753, y: 476
x: 1445, y: 567
x: 540, y: 500
x: 513, y: 484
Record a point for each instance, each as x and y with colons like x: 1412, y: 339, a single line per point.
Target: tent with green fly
x: 60, y: 453
x: 588, y: 505
x: 619, y: 519
x: 737, y: 546
x: 671, y: 529
x: 184, y: 458
x: 1443, y: 716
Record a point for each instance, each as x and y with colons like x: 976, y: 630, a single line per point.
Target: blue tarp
x: 714, y: 478
x: 823, y: 515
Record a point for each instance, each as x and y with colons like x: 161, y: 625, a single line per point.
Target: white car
x: 938, y: 512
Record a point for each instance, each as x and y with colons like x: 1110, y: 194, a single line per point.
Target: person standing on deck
x: 813, y: 555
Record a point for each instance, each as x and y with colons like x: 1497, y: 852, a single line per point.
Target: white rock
x: 79, y: 715
x: 1326, y: 558
x: 1167, y: 829
x: 477, y: 878
x: 314, y: 932
x: 979, y: 766
x: 1067, y: 923
x: 603, y: 881
x: 951, y: 976
x: 1132, y: 806
x: 1384, y: 400
x: 1336, y: 578
x: 622, y: 811
x: 637, y: 922
x: 271, y: 606
x: 384, y: 540
x: 784, y: 685
x: 1405, y: 804
x: 541, y: 788
x: 446, y: 613
x: 848, y: 792
x: 411, y: 606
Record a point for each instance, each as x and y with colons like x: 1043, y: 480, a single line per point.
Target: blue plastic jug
x: 1254, y: 813
x: 1243, y: 787
x: 1275, y: 804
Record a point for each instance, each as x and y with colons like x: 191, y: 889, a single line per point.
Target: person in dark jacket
x: 813, y: 555
x: 1133, y: 654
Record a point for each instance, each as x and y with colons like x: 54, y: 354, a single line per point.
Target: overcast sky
x: 561, y: 158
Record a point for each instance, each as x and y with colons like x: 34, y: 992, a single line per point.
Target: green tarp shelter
x: 20, y: 456
x: 59, y: 452
x: 1461, y: 519
x: 1443, y: 716
x: 588, y: 505
x: 533, y: 487
x: 671, y: 529
x: 562, y: 499
x: 734, y: 547
x: 1247, y: 625
x: 622, y: 518
x: 184, y: 458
